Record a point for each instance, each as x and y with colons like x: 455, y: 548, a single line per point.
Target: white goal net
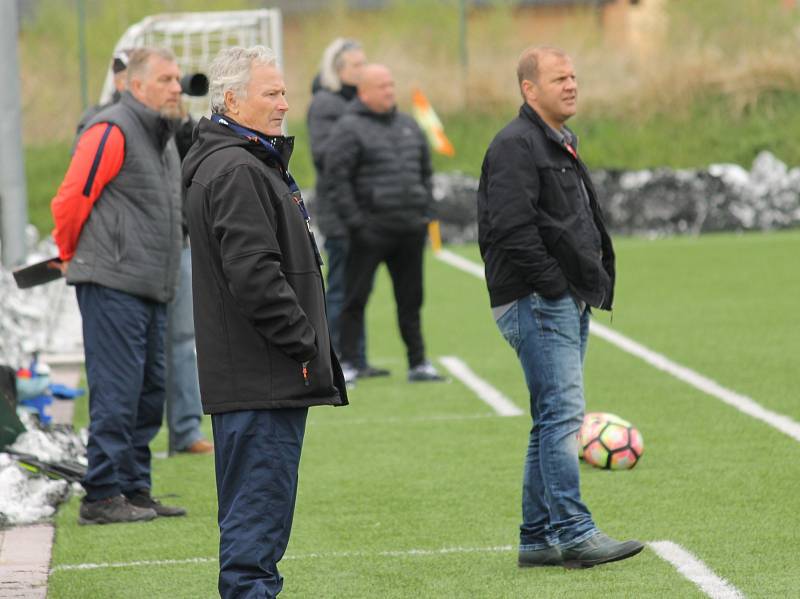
x: 196, y: 37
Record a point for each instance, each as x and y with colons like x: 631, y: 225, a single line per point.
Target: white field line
x: 698, y: 381
x: 684, y: 562
x: 461, y: 263
x: 488, y: 394
x: 299, y: 556
x: 136, y: 564
x: 741, y: 402
x: 399, y: 419
x: 695, y: 570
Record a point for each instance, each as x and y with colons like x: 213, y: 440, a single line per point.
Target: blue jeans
x: 184, y: 410
x: 123, y: 338
x: 337, y: 248
x: 257, y: 455
x: 550, y: 338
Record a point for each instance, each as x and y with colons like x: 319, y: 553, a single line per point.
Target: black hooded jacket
x: 326, y: 108
x: 259, y: 304
x: 536, y: 232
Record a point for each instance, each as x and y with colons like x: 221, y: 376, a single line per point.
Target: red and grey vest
x: 132, y: 239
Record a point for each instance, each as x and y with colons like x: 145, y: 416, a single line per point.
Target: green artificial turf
x: 429, y: 467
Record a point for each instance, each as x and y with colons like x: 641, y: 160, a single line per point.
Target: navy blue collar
x: 268, y: 143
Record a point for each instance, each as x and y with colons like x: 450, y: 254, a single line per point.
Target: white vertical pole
x: 13, y: 194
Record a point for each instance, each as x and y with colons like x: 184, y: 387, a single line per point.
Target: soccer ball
x: 592, y: 423
x: 611, y: 442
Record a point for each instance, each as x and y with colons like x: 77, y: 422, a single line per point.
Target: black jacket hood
x: 210, y: 137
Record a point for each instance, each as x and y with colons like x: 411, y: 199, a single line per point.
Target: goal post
x: 197, y: 37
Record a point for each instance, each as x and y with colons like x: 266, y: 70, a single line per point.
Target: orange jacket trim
x: 97, y: 160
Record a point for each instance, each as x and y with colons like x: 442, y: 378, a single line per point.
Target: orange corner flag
x: 430, y: 124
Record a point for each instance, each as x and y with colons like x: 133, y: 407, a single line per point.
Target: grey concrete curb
x: 25, y: 560
x: 25, y: 551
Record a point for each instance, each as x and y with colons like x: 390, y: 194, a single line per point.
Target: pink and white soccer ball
x: 610, y: 442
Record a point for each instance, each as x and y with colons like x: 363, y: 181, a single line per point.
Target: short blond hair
x: 139, y: 61
x: 528, y: 64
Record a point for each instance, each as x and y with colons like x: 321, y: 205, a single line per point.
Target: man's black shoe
x: 368, y: 372
x: 599, y: 549
x: 143, y: 499
x: 548, y: 556
x: 113, y: 510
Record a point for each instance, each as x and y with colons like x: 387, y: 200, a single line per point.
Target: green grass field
x: 414, y: 491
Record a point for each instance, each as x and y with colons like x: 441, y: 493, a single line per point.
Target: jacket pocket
x: 577, y: 262
x: 319, y: 374
x: 508, y: 324
x: 565, y: 196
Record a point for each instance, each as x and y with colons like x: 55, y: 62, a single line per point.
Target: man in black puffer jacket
x: 548, y: 260
x: 378, y: 166
x: 263, y: 349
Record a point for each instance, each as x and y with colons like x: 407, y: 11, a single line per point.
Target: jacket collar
x: 158, y: 127
x: 527, y: 112
x: 277, y: 147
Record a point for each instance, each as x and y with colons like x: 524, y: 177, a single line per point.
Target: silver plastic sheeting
x: 655, y: 202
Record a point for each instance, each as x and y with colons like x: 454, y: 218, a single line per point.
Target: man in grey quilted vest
x: 117, y: 221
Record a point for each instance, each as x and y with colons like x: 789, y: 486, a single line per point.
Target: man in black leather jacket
x: 548, y: 260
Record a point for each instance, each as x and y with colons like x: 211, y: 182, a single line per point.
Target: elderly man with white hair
x: 263, y: 347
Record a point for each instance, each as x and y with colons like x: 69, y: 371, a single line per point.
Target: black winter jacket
x: 534, y: 228
x: 379, y: 170
x: 326, y: 108
x: 259, y: 305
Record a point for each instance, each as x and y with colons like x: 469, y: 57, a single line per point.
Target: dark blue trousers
x: 123, y: 339
x: 337, y: 249
x: 257, y: 455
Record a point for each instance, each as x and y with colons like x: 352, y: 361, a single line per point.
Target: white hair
x: 230, y: 71
x: 333, y: 61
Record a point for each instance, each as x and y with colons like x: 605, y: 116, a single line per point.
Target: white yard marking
x: 488, y: 394
x: 698, y: 381
x: 461, y: 263
x: 137, y: 564
x: 399, y: 419
x: 741, y: 402
x: 299, y: 556
x: 695, y: 570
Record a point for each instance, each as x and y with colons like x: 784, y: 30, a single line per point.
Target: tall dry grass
x: 636, y: 61
x: 659, y: 56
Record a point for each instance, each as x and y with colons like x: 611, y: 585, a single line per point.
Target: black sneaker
x: 113, y: 510
x: 368, y: 372
x: 424, y: 372
x: 143, y: 499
